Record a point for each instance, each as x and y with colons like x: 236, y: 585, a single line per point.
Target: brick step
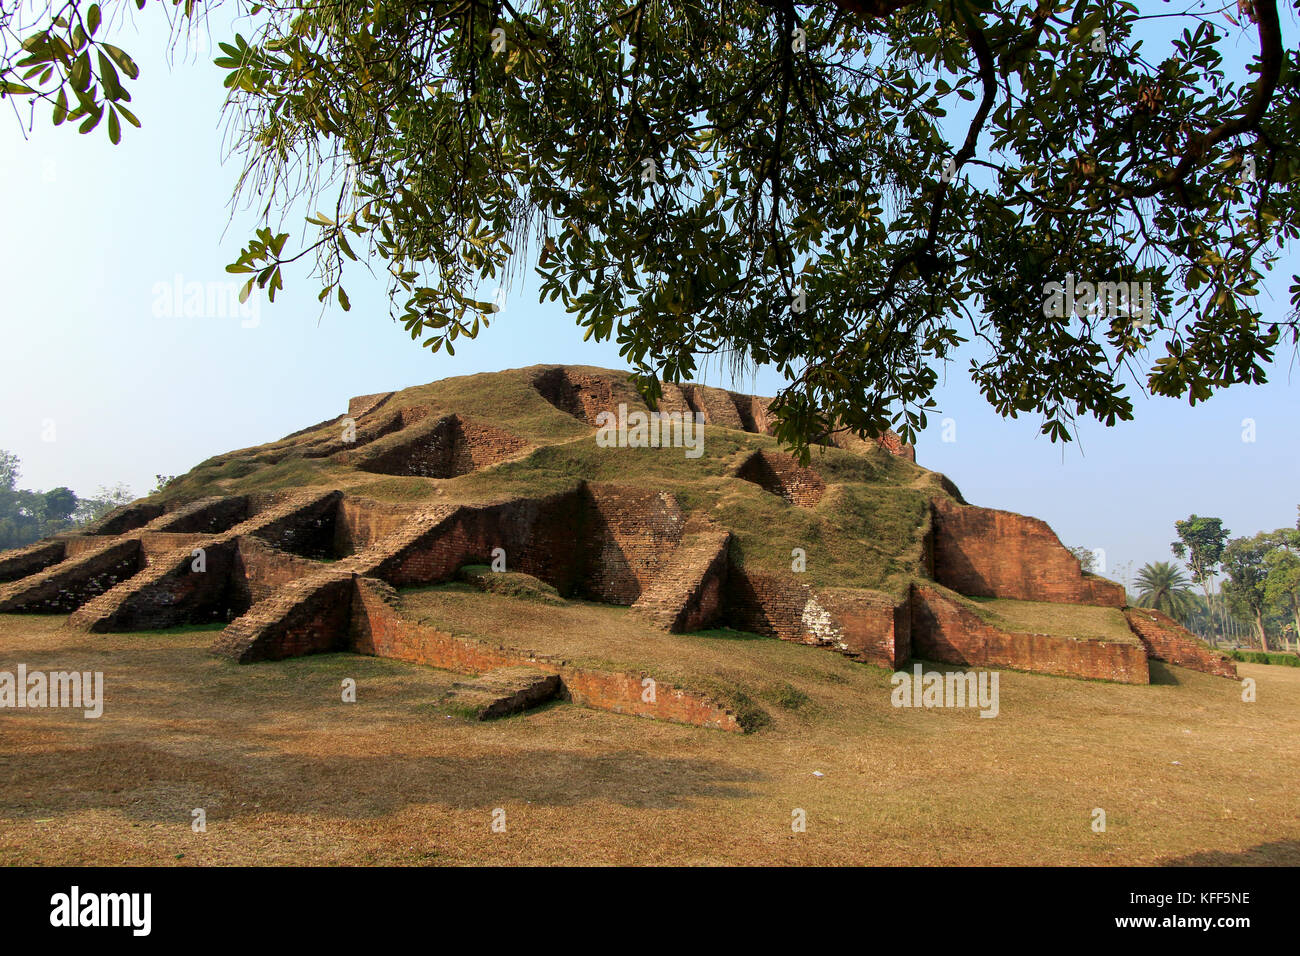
x: 145, y: 596
x: 685, y: 592
x: 67, y: 585
x: 298, y: 617
x: 22, y: 562
x: 209, y: 515
x: 506, y: 690
x: 99, y: 612
x: 307, y: 616
x: 1164, y: 639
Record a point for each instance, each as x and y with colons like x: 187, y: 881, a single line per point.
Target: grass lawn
x: 1078, y: 621
x: 289, y: 773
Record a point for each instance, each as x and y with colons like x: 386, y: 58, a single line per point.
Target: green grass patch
x: 1265, y: 657
x: 1076, y: 621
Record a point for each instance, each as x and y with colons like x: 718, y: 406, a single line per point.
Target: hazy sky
x: 98, y: 384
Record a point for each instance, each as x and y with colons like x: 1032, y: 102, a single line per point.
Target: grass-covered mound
x: 867, y: 530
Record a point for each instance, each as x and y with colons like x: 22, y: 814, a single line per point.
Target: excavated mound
x: 314, y: 543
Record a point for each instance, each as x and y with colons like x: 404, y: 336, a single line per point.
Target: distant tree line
x: 27, y: 515
x: 1249, y: 586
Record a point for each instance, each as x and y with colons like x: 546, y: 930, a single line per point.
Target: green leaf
x: 124, y: 62
x: 114, y: 127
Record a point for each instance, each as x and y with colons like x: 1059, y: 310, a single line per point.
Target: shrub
x: 1260, y: 657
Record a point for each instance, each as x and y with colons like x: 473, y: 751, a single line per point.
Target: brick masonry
x: 22, y: 562
x: 1167, y: 640
x: 780, y: 474
x: 943, y: 630
x: 440, y: 448
x: 504, y: 691
x: 581, y: 395
x: 865, y: 625
x: 126, y: 518
x: 283, y: 567
x: 380, y: 629
x: 63, y: 587
x: 981, y: 552
x: 166, y: 590
x: 686, y: 594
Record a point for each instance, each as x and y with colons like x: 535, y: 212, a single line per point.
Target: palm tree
x: 1163, y: 586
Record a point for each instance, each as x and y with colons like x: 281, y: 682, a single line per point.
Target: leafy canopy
x: 1163, y: 586
x: 847, y: 190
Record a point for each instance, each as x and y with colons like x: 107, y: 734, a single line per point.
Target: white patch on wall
x: 818, y: 623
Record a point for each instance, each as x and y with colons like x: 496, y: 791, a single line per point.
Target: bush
x: 1260, y: 657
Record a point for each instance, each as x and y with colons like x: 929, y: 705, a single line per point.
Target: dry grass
x: 1078, y: 621
x: 289, y: 774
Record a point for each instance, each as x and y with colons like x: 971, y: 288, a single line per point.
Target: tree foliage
x: 1163, y: 586
x: 1244, y: 563
x: 846, y: 191
x: 27, y: 516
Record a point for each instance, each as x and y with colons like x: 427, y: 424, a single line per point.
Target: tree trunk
x: 1259, y: 629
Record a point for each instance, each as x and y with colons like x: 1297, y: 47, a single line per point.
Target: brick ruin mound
x: 303, y: 546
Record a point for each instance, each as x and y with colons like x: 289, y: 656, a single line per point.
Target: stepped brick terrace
x: 312, y: 545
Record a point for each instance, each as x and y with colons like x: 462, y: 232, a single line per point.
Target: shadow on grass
x: 147, y: 783
x: 727, y: 634
x: 1279, y: 853
x: 1163, y: 674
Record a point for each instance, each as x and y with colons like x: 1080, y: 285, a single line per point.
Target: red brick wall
x: 169, y: 593
x: 1167, y: 640
x: 20, y: 562
x: 865, y: 625
x: 365, y: 404
x: 766, y: 604
x: 77, y: 545
x: 542, y: 537
x: 895, y: 446
x: 156, y: 543
x: 754, y: 416
x: 307, y: 531
x: 944, y: 631
x: 780, y: 474
x: 445, y: 448
x: 362, y: 523
x: 631, y: 535
x: 582, y: 395
x: 64, y: 587
x: 379, y: 629
x: 601, y: 541
x: 206, y: 517
x: 871, y: 627
x: 310, y: 616
x: 981, y: 552
x: 687, y: 592
x: 716, y: 405
x: 260, y: 570
x: 126, y: 518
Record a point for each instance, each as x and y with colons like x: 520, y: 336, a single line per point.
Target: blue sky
x: 126, y: 393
